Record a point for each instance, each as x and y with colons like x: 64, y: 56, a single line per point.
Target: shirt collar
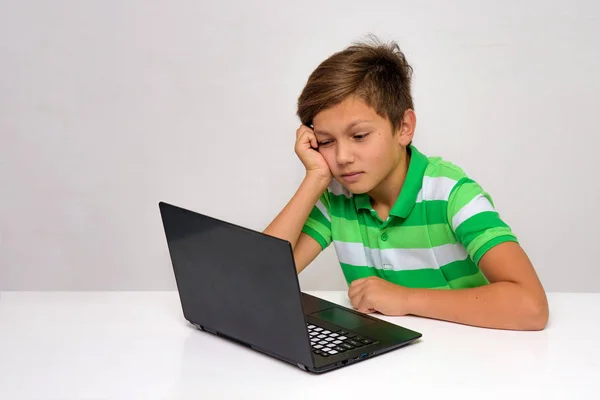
x: 410, y: 189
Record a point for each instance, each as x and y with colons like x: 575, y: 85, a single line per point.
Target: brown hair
x: 377, y: 72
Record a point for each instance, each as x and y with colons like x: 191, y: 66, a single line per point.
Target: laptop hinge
x: 234, y: 339
x: 302, y: 367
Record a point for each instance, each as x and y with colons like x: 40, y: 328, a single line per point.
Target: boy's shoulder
x: 443, y: 180
x: 438, y: 167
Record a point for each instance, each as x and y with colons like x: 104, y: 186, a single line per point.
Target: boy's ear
x: 406, y: 130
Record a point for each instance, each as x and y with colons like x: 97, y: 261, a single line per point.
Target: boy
x: 403, y: 225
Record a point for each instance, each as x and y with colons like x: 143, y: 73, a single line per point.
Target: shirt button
x: 384, y: 236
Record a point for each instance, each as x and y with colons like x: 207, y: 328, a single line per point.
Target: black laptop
x: 242, y: 285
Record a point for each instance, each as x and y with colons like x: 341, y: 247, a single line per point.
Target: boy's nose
x: 344, y: 154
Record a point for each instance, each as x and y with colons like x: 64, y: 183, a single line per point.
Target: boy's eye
x: 324, y: 142
x: 361, y: 136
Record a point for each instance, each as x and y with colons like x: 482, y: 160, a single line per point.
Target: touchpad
x: 341, y: 317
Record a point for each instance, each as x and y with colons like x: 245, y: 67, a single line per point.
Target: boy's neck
x: 385, y: 195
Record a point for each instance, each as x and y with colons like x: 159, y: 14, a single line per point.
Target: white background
x: 108, y: 107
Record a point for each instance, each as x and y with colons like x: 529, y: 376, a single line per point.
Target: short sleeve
x: 475, y: 221
x: 318, y: 224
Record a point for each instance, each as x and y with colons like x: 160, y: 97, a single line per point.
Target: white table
x: 136, y: 345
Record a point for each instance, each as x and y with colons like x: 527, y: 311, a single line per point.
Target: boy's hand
x: 306, y: 149
x: 372, y: 294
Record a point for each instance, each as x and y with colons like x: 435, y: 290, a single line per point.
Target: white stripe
x: 435, y: 188
x: 336, y: 188
x: 399, y: 259
x: 355, y: 254
x: 408, y: 259
x: 479, y: 204
x: 447, y: 253
x: 322, y: 208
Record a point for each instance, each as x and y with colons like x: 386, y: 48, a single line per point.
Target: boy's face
x: 358, y: 145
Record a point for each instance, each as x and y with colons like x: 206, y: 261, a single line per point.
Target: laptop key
x: 354, y: 343
x: 342, y: 337
x: 318, y: 346
x: 346, y: 346
x: 366, y: 341
x: 339, y: 349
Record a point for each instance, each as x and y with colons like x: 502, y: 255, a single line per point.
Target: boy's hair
x: 376, y: 72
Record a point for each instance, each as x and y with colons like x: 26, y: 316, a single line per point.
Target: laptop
x: 242, y: 285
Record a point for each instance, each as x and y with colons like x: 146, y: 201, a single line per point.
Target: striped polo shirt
x: 437, y: 231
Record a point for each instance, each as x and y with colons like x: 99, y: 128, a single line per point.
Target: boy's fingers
x: 355, y: 299
x: 306, y: 138
x: 357, y: 288
x: 364, y: 305
x: 353, y: 291
x: 313, y: 142
x: 358, y: 282
x: 302, y: 129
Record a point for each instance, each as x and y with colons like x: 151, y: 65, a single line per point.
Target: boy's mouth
x: 352, y: 176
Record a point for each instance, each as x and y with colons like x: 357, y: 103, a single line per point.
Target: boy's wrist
x: 317, y: 180
x: 410, y: 297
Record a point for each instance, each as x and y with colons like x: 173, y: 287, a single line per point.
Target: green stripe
x: 493, y: 242
x: 429, y: 212
x: 417, y: 237
x: 341, y: 207
x: 462, y: 194
x: 315, y: 235
x: 350, y: 231
x: 423, y: 213
x: 317, y: 215
x: 399, y: 236
x: 477, y: 225
x: 437, y: 170
x: 459, y: 269
x: 420, y: 278
x: 486, y: 236
x: 326, y: 199
x: 471, y: 281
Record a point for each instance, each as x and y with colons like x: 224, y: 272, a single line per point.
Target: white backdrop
x: 107, y: 107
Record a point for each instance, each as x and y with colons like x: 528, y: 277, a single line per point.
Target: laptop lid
x: 238, y: 283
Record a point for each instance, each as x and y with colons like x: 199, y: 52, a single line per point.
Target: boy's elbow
x: 536, y: 313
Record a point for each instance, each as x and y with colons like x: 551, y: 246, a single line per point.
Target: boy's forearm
x: 288, y: 224
x: 501, y: 305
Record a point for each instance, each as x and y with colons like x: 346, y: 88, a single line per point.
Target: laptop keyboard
x: 328, y: 343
